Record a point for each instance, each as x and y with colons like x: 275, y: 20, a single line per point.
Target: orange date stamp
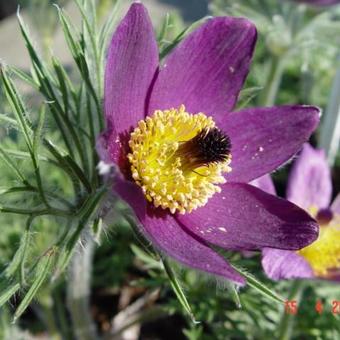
x: 291, y: 307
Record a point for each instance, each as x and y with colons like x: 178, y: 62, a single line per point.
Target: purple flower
x: 320, y: 2
x: 172, y: 134
x: 310, y: 187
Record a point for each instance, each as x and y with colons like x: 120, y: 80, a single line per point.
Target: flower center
x: 323, y: 255
x: 178, y: 159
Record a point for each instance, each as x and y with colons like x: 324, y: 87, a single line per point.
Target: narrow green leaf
x: 17, y: 107
x: 9, y: 162
x: 9, y: 190
x: 20, y: 254
x: 7, y: 291
x: 234, y: 293
x: 77, y: 49
x: 40, y: 73
x: 43, y: 268
x: 97, y: 228
x: 67, y: 27
x: 92, y: 131
x: 109, y: 25
x: 247, y: 95
x: 35, y: 160
x: 9, y: 120
x: 31, y: 50
x: 164, y: 29
x: 47, y: 88
x: 22, y: 211
x: 38, y: 130
x: 31, y: 189
x: 259, y: 286
x: 177, y: 289
x: 25, y: 250
x: 166, y: 50
x: 107, y: 29
x: 25, y: 155
x: 68, y: 165
x: 24, y: 77
x: 104, y: 37
x: 63, y: 84
x: 148, y: 258
x: 88, y: 13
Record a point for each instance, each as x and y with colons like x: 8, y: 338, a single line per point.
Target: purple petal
x: 243, y: 217
x: 284, y: 264
x: 113, y: 149
x: 264, y: 183
x: 207, y: 69
x: 265, y: 138
x: 309, y: 182
x: 131, y: 65
x: 335, y: 207
x: 172, y: 238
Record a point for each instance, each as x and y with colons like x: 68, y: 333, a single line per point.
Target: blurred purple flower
x: 177, y: 158
x: 310, y: 187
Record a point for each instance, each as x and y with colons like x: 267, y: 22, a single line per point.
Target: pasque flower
x: 185, y: 158
x: 310, y: 187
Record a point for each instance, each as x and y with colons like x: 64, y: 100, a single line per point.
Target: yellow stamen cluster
x: 167, y: 176
x: 323, y: 255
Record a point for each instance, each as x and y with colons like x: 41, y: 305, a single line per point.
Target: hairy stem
x: 78, y: 290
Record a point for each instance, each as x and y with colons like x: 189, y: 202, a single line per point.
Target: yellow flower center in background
x: 323, y: 255
x: 178, y: 159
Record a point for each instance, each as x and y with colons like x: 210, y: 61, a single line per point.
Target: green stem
x: 269, y: 93
x: 287, y: 320
x: 35, y: 212
x: 330, y: 128
x: 79, y: 286
x: 39, y: 181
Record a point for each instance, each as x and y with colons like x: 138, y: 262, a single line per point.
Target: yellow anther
x: 171, y: 163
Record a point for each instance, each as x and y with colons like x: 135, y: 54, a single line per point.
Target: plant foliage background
x: 72, y: 264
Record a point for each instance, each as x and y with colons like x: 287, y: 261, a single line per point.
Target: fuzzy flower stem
x: 287, y: 320
x: 78, y: 291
